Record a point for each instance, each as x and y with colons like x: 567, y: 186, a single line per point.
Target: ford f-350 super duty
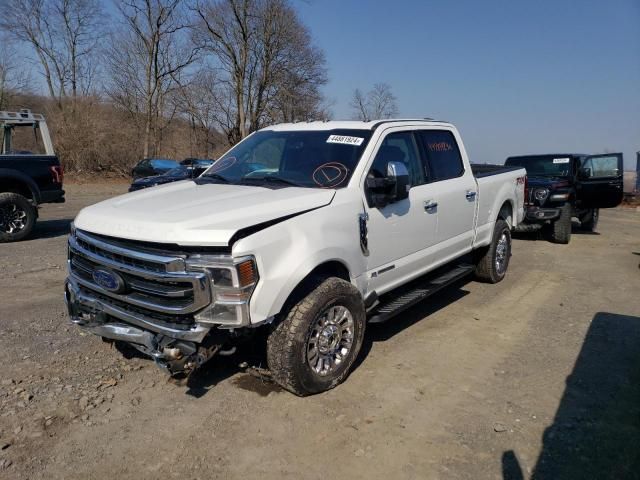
x: 308, y: 230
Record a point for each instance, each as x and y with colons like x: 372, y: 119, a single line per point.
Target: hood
x: 548, y: 182
x: 188, y: 214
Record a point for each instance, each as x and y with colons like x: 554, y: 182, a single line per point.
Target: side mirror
x: 398, y: 177
x: 392, y: 188
x: 584, y: 173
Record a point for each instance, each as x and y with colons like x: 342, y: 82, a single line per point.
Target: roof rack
x: 24, y: 116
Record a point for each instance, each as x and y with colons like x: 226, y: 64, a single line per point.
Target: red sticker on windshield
x: 330, y: 175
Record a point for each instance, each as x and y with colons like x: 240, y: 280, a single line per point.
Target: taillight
x: 526, y: 190
x: 57, y: 173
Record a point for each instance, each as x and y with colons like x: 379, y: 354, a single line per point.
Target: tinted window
x: 398, y: 147
x: 543, y: 165
x: 443, y: 156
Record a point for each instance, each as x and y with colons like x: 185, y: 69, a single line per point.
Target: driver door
x: 600, y: 181
x: 399, y: 233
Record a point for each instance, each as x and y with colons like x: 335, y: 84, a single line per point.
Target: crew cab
x: 562, y: 186
x: 30, y: 172
x: 308, y: 230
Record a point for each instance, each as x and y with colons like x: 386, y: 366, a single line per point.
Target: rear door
x: 600, y: 181
x: 452, y: 192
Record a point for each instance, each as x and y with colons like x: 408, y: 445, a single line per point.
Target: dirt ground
x: 536, y: 377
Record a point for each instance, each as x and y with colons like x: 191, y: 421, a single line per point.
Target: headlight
x: 232, y: 283
x: 541, y: 194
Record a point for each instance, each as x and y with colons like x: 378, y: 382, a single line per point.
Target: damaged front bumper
x: 174, y: 349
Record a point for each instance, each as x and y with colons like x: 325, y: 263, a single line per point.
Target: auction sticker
x: 357, y: 141
x: 561, y: 160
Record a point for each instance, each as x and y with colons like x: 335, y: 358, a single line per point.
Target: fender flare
x: 11, y: 174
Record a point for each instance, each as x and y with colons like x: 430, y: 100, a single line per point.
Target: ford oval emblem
x: 108, y: 280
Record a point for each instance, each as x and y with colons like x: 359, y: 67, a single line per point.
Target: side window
x: 602, y: 166
x: 443, y: 156
x: 399, y: 147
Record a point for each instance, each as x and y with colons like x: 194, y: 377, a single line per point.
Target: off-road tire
x: 8, y: 199
x: 485, y: 258
x: 589, y: 221
x: 561, y: 228
x: 287, y: 342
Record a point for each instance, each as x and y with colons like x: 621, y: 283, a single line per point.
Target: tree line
x: 143, y: 78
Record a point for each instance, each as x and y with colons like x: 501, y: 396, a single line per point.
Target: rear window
x: 164, y: 163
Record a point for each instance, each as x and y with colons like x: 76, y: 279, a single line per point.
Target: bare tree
x: 62, y: 34
x: 13, y: 78
x: 146, y: 62
x: 266, y: 62
x: 378, y: 103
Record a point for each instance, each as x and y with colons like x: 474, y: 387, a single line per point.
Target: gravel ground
x: 536, y: 377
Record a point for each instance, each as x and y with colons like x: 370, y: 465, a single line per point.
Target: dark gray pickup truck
x: 27, y: 178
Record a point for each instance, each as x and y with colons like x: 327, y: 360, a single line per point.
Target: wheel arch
x: 506, y: 213
x: 17, y: 182
x: 327, y: 269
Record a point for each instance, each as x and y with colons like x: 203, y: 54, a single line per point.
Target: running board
x: 396, y: 304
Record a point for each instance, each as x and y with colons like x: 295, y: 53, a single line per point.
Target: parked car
x: 309, y: 229
x: 562, y: 186
x: 178, y: 173
x: 153, y: 166
x: 27, y: 179
x: 200, y: 162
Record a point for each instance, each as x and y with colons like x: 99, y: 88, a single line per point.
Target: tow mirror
x: 391, y: 188
x: 398, y: 178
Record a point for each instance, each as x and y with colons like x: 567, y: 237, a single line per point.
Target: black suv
x: 562, y: 186
x: 26, y: 179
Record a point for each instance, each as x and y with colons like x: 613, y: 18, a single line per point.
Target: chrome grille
x: 154, y: 284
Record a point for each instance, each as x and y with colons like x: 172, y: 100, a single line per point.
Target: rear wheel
x: 313, y: 349
x: 589, y: 221
x: 561, y: 228
x: 17, y: 217
x: 492, y: 261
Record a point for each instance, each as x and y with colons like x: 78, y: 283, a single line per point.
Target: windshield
x: 543, y: 165
x: 313, y: 159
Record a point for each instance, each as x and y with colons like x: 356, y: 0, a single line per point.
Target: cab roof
x: 353, y: 124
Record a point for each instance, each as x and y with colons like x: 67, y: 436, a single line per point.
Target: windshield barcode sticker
x: 357, y: 141
x: 561, y: 160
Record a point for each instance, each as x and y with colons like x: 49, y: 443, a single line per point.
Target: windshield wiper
x: 272, y: 179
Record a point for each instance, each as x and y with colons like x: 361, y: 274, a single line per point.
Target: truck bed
x: 486, y: 169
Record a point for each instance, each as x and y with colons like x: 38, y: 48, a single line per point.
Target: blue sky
x: 515, y: 76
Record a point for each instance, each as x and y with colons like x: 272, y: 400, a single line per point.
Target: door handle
x: 430, y: 205
x: 470, y: 194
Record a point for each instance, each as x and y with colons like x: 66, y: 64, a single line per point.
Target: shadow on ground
x: 253, y: 352
x: 596, y: 430
x: 51, y: 228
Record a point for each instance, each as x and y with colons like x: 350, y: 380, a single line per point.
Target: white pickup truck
x: 307, y: 230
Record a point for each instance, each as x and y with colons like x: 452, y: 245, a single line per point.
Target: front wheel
x: 492, y: 261
x: 561, y: 228
x: 589, y: 221
x: 313, y: 349
x: 17, y: 217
